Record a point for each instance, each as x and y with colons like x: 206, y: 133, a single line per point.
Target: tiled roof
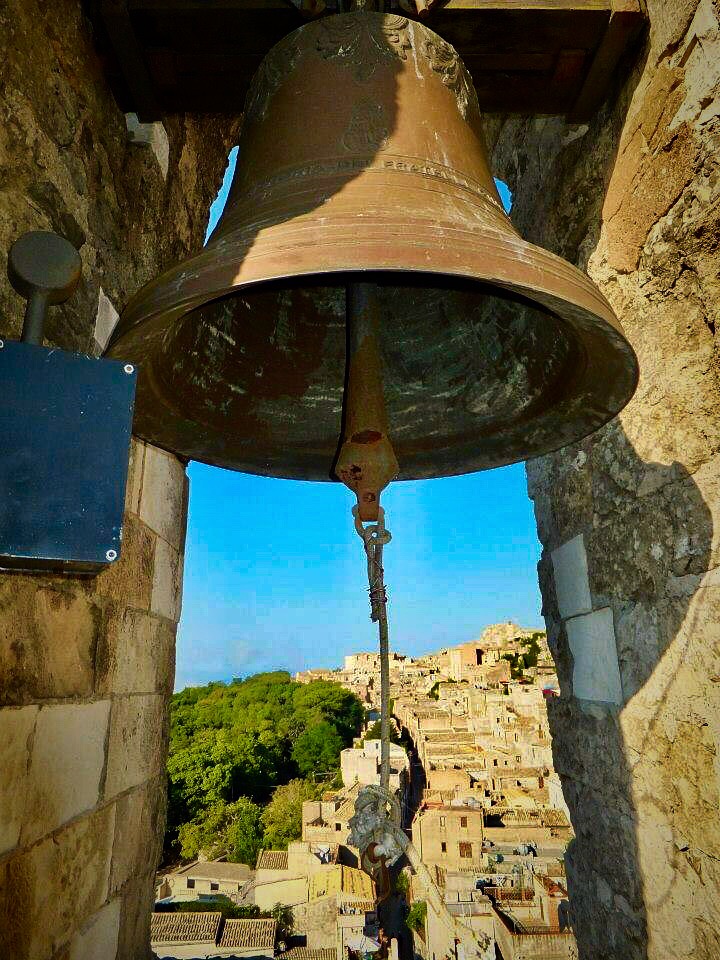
x: 340, y: 879
x: 184, y: 927
x: 272, y: 860
x: 349, y: 903
x: 310, y: 953
x: 217, y: 870
x: 249, y: 933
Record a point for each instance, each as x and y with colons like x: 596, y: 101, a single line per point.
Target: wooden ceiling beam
x: 526, y: 56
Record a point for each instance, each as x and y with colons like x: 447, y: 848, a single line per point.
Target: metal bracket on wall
x: 65, y: 425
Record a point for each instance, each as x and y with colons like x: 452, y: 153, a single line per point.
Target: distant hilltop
x: 506, y: 632
x: 508, y: 638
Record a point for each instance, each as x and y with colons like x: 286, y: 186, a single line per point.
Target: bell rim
x: 566, y: 292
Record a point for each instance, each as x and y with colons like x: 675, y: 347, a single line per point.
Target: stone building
x: 203, y: 879
x: 449, y: 837
x: 628, y: 518
x: 362, y: 765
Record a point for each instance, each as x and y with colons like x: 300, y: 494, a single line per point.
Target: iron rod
x: 34, y: 321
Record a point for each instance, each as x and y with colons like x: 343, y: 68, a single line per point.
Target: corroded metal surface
x: 362, y: 152
x: 366, y: 462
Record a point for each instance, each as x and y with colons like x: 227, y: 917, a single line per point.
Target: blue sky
x: 275, y: 574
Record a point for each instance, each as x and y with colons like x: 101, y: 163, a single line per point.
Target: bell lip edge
x: 579, y: 283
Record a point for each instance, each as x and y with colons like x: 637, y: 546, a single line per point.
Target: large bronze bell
x: 362, y: 159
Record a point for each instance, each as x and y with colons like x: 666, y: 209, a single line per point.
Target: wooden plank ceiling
x: 525, y: 56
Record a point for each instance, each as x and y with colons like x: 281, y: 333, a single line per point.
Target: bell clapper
x: 366, y: 464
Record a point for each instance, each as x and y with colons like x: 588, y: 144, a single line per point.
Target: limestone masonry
x: 629, y: 520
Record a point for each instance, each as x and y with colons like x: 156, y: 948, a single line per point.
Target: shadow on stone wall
x: 612, y: 759
x: 639, y: 777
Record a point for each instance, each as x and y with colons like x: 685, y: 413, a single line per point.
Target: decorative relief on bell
x: 362, y: 42
x: 270, y: 74
x: 443, y: 59
x: 368, y: 129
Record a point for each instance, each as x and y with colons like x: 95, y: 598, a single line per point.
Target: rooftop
x: 310, y: 953
x: 248, y: 933
x: 341, y: 879
x: 184, y: 927
x: 272, y: 860
x: 216, y: 870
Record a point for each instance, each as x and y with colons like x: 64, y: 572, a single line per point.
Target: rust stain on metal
x: 366, y: 462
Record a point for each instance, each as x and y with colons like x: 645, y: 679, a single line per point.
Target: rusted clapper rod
x: 366, y: 463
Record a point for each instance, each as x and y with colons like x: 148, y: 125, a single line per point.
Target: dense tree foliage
x: 416, y: 917
x: 317, y: 749
x: 233, y: 829
x: 232, y: 745
x: 282, y: 817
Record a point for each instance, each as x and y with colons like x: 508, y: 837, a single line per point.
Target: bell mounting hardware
x: 65, y: 424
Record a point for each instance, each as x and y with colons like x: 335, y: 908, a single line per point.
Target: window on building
x: 338, y: 826
x: 214, y: 886
x: 442, y: 821
x: 191, y: 884
x: 443, y: 847
x: 466, y: 851
x: 463, y: 821
x: 495, y: 762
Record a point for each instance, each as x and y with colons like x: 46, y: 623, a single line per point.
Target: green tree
x: 242, y: 739
x: 282, y: 817
x: 374, y: 732
x: 415, y: 919
x: 325, y: 700
x: 233, y: 829
x: 317, y: 750
x: 285, y: 921
x: 219, y: 904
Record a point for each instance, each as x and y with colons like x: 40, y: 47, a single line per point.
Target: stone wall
x: 86, y: 665
x: 630, y: 518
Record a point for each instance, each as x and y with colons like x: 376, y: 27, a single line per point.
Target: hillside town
x: 479, y: 801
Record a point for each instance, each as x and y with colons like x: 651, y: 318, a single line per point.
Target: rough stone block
x: 48, y: 634
x: 105, y: 320
x: 68, y: 756
x: 135, y: 472
x: 596, y: 673
x: 167, y: 582
x: 137, y: 904
x: 16, y: 729
x: 130, y: 579
x: 48, y: 892
x: 139, y: 831
x: 136, y: 654
x: 163, y: 500
x: 98, y: 940
x: 138, y: 742
x: 572, y: 586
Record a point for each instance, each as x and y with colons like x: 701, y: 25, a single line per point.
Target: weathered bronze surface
x: 366, y: 462
x: 362, y: 153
